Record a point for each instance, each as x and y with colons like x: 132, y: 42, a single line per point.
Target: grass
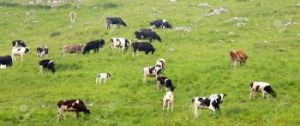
x: 198, y: 65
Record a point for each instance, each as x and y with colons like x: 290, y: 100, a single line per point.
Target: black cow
x: 6, y: 60
x: 18, y: 43
x: 93, y: 45
x: 161, y: 23
x: 142, y: 46
x: 73, y: 105
x: 115, y: 20
x: 48, y: 64
x: 165, y: 81
x: 147, y: 34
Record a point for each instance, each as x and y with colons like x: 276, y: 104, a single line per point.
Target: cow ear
x: 225, y: 94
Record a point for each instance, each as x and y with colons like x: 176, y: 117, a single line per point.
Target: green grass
x: 198, y: 66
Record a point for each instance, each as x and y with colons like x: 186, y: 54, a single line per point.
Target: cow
x: 161, y: 63
x: 46, y: 64
x: 115, y: 20
x: 102, y: 76
x: 42, y: 51
x: 73, y: 105
x: 142, y: 46
x: 19, y: 51
x: 168, y: 101
x: 73, y: 17
x: 93, y: 45
x: 151, y: 72
x: 213, y: 102
x: 6, y: 61
x: 238, y: 56
x: 72, y: 49
x: 120, y: 43
x: 165, y: 81
x: 18, y: 43
x: 263, y: 87
x: 147, y: 34
x: 161, y: 23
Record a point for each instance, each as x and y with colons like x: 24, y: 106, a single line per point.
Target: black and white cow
x: 93, y: 45
x: 147, y: 34
x: 168, y: 101
x: 19, y: 51
x: 115, y: 20
x: 161, y: 23
x: 5, y: 61
x: 73, y: 105
x: 213, y: 102
x: 42, y: 51
x: 166, y: 82
x: 142, y: 46
x: 151, y: 72
x: 263, y: 87
x: 120, y: 43
x: 47, y: 64
x: 18, y: 43
x: 102, y: 76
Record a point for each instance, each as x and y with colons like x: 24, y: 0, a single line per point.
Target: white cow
x: 168, y: 101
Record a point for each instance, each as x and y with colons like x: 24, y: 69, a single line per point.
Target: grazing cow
x: 151, y: 72
x: 147, y: 34
x: 102, y: 76
x: 115, y: 20
x: 120, y: 43
x: 47, y: 64
x: 213, y: 102
x: 238, y: 56
x: 42, y: 51
x: 161, y: 23
x: 73, y: 17
x: 74, y: 105
x: 19, y: 51
x: 93, y: 45
x: 72, y: 49
x: 165, y: 81
x: 6, y: 61
x: 18, y: 43
x: 168, y: 101
x: 263, y: 87
x: 161, y: 63
x: 142, y: 46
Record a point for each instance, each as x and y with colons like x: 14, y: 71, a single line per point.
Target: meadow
x: 197, y: 63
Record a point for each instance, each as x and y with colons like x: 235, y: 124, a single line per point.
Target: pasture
x: 197, y: 62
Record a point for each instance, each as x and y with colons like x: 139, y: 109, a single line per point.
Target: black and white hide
x: 165, y: 82
x: 147, y: 34
x: 151, y: 72
x: 21, y: 51
x: 73, y: 105
x: 213, y: 102
x: 142, y: 46
x: 93, y: 45
x: 46, y: 64
x: 263, y: 87
x: 102, y: 77
x: 161, y: 23
x: 121, y: 43
x: 42, y: 51
x: 115, y: 21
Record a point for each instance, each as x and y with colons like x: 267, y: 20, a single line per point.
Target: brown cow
x: 72, y: 49
x: 238, y: 56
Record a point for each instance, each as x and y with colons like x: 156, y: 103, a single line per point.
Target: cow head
x: 167, y: 25
x: 86, y: 112
x: 157, y: 37
x: 108, y: 74
x: 27, y: 49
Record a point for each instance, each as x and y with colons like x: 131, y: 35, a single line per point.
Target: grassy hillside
x: 197, y: 62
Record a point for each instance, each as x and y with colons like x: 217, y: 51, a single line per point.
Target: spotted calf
x: 168, y: 101
x: 213, y: 102
x: 74, y: 105
x: 102, y: 76
x: 263, y: 87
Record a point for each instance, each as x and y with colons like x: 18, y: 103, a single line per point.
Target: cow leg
x: 164, y: 104
x: 104, y: 80
x: 77, y: 114
x: 168, y: 105
x: 158, y: 85
x: 144, y: 79
x: 64, y: 114
x: 263, y: 94
x: 196, y: 110
x: 22, y: 56
x: 133, y: 53
x: 58, y: 115
x: 172, y: 106
x: 251, y: 95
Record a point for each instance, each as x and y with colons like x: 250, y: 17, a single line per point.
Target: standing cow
x: 115, y: 21
x: 19, y: 51
x: 42, y: 51
x: 142, y: 46
x: 73, y: 105
x: 120, y: 43
x: 161, y: 23
x: 46, y: 64
x: 238, y: 56
x: 147, y: 34
x: 72, y: 49
x: 93, y: 45
x: 263, y: 87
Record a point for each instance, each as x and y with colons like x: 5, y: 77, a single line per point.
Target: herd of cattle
x: 212, y: 102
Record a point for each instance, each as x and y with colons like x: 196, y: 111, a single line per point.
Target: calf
x: 19, y: 51
x: 74, y: 105
x: 147, y: 34
x: 142, y: 46
x: 93, y: 45
x: 102, y: 76
x: 238, y: 56
x: 72, y: 49
x: 115, y: 20
x: 161, y: 63
x: 120, y: 43
x: 165, y: 81
x: 6, y: 61
x: 161, y: 23
x: 42, y: 51
x: 18, y: 43
x: 151, y: 72
x: 73, y: 17
x: 213, y: 102
x: 263, y: 87
x: 168, y: 101
x: 47, y: 64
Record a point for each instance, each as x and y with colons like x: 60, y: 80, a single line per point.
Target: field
x: 197, y: 62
